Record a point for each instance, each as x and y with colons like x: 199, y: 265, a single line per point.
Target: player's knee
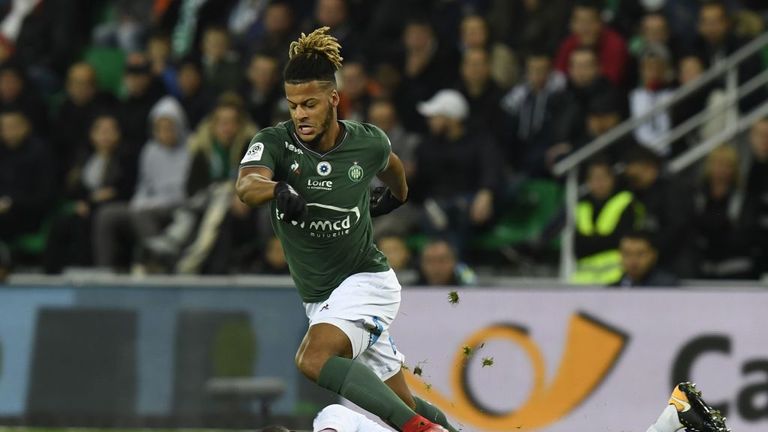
x: 311, y: 362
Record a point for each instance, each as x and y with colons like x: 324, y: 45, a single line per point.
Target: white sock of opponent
x: 667, y: 421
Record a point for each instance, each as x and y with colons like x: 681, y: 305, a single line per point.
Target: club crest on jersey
x: 355, y: 172
x: 324, y: 168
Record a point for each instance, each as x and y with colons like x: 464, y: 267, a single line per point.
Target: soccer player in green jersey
x: 315, y: 172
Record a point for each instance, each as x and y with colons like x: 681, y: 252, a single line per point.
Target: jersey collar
x: 339, y: 141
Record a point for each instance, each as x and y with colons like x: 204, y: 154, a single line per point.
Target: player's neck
x: 330, y: 138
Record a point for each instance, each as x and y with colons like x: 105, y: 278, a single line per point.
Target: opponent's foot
x: 420, y: 424
x: 693, y: 412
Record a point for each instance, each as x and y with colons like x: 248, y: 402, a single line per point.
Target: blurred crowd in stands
x: 122, y: 124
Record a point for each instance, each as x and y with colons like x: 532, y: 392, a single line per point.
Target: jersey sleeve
x: 384, y: 148
x: 264, y: 150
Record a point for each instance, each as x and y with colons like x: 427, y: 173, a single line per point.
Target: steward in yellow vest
x: 602, y: 217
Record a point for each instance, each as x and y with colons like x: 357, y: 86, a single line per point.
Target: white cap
x: 446, y: 102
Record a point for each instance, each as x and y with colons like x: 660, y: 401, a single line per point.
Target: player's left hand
x: 383, y: 202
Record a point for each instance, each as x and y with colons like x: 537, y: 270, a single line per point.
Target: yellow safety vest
x: 602, y: 268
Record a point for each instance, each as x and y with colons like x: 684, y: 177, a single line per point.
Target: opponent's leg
x: 325, y: 357
x: 427, y: 410
x: 687, y: 410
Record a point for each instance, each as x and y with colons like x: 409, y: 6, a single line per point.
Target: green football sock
x: 432, y: 413
x: 360, y: 385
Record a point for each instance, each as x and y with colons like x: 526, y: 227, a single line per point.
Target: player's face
x: 313, y: 108
x: 637, y: 257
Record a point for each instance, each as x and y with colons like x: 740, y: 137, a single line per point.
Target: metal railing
x: 728, y: 67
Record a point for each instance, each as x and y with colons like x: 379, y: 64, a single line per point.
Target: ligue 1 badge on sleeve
x: 355, y: 172
x: 324, y: 168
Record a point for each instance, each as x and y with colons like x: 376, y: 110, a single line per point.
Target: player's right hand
x: 291, y: 207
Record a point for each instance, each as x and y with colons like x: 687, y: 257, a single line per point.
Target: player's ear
x: 335, y: 98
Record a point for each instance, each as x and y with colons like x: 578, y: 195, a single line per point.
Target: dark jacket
x: 669, y: 209
x: 448, y: 169
x: 72, y: 123
x: 25, y: 177
x: 725, y: 230
x: 655, y: 278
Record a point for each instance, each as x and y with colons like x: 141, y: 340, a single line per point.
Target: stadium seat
x: 109, y: 64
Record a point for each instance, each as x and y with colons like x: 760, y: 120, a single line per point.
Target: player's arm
x: 255, y: 186
x: 394, y: 177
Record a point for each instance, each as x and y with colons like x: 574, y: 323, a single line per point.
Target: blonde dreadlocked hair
x: 314, y: 56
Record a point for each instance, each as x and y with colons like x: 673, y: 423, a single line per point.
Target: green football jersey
x: 335, y: 240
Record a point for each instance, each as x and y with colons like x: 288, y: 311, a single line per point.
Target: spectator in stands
x: 716, y: 41
x: 397, y: 252
x: 218, y: 144
x: 502, y: 63
x: 142, y: 91
x: 529, y: 25
x: 246, y: 22
x: 669, y: 209
x: 72, y: 121
x: 16, y: 93
x: 357, y: 91
x: 428, y: 66
x: 757, y: 188
x: 458, y: 169
x: 279, y: 31
x: 128, y: 29
x: 482, y: 93
x: 262, y: 91
x: 213, y: 219
x: 6, y: 265
x: 191, y: 19
x: 221, y: 67
x: 100, y: 176
x: 335, y: 14
x: 440, y: 266
x: 689, y: 68
x: 654, y: 30
x: 382, y: 113
x: 159, y: 55
x: 163, y: 169
x: 48, y: 37
x: 603, y: 114
x: 531, y: 108
x: 584, y: 84
x: 654, y: 89
x: 195, y: 96
x: 639, y: 257
x: 602, y: 218
x: 26, y: 183
x: 588, y: 31
x: 724, y: 220
x: 274, y: 258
